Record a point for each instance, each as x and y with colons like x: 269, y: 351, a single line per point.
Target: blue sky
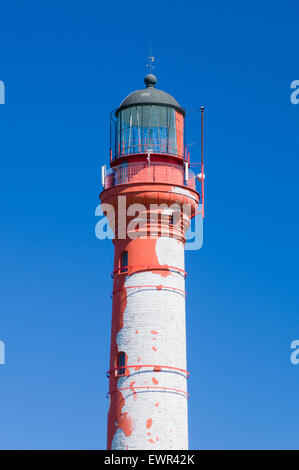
x: 66, y: 65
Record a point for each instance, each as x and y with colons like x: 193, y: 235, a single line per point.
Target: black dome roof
x: 149, y: 95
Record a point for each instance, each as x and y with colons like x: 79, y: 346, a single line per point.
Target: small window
x: 171, y: 219
x: 124, y: 262
x: 121, y: 363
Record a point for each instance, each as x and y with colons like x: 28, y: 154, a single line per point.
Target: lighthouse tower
x: 149, y: 198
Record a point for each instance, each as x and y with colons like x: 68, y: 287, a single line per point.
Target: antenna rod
x: 150, y: 59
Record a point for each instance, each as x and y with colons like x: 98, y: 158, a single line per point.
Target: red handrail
x: 142, y: 267
x: 155, y: 366
x: 166, y: 389
x: 159, y: 287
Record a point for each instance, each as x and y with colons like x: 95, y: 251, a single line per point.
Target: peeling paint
x: 118, y: 420
x: 149, y: 423
x: 133, y: 390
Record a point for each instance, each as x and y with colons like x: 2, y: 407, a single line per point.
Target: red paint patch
x: 139, y: 359
x: 125, y: 423
x: 157, y: 369
x: 157, y: 438
x: 133, y: 390
x: 149, y: 422
x: 136, y: 332
x: 155, y: 381
x: 157, y: 404
x: 152, y: 441
x: 154, y: 349
x: 154, y: 332
x: 148, y: 433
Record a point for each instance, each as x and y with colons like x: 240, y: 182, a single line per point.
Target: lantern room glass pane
x: 150, y: 128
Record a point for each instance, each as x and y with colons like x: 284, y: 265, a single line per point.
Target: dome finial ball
x: 150, y: 80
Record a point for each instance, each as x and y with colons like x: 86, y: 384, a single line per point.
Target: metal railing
x: 149, y: 172
x: 128, y: 146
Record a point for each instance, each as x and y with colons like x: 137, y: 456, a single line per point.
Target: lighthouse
x: 149, y: 198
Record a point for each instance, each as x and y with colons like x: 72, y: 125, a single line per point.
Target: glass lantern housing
x: 147, y: 128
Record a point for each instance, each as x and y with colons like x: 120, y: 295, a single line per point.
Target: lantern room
x: 148, y: 121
